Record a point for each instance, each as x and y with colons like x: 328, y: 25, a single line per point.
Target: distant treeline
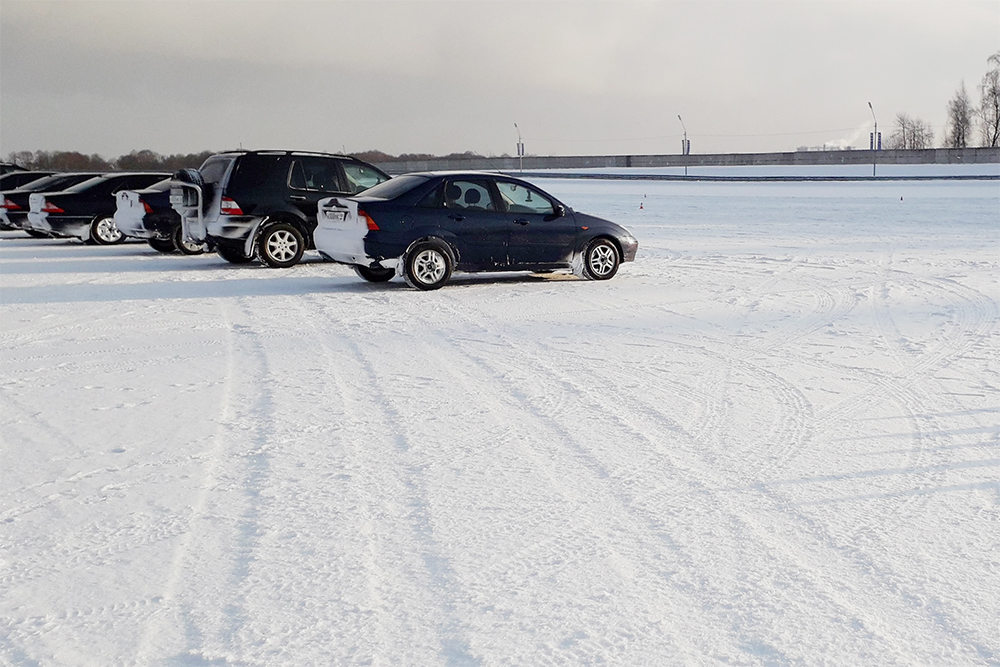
x: 147, y: 160
x: 144, y: 160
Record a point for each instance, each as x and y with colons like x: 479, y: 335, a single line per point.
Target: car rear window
x: 56, y: 181
x: 395, y: 187
x: 16, y: 179
x: 160, y: 186
x: 85, y: 185
x: 214, y: 168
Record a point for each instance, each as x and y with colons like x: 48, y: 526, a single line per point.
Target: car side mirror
x: 560, y: 210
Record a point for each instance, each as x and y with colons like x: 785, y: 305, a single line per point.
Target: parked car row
x: 274, y: 205
x: 79, y: 205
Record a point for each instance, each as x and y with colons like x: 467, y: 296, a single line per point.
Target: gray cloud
x: 577, y: 77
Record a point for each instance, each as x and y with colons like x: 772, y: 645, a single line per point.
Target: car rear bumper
x: 232, y: 227
x: 70, y: 226
x: 17, y: 219
x: 155, y: 226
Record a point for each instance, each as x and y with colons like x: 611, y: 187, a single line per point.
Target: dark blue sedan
x: 424, y: 226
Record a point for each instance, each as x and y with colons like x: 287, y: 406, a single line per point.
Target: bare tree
x: 910, y: 134
x: 960, y: 111
x: 989, y: 105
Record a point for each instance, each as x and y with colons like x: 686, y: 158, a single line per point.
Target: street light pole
x: 520, y: 149
x: 874, y: 138
x: 684, y: 146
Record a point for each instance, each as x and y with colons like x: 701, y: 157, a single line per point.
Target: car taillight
x: 10, y: 206
x: 368, y: 220
x: 147, y: 207
x: 230, y: 207
x: 51, y: 208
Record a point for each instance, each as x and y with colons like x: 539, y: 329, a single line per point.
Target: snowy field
x: 837, y: 171
x: 774, y: 439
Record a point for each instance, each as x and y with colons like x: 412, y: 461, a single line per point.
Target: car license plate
x: 337, y: 216
x: 176, y: 197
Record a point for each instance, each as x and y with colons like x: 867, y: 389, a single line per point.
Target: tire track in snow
x: 442, y: 583
x: 169, y: 629
x: 600, y: 471
x: 828, y: 587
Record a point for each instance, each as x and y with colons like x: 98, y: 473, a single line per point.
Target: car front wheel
x: 105, y: 232
x: 281, y: 245
x: 232, y: 253
x: 161, y: 245
x: 601, y: 260
x: 374, y: 275
x: 428, y: 265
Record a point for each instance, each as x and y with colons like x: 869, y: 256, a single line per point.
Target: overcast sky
x: 439, y: 77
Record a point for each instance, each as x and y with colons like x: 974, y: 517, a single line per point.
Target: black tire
x: 159, y: 245
x: 280, y: 245
x: 178, y: 242
x: 428, y: 265
x: 103, y: 231
x: 374, y: 275
x: 601, y: 260
x: 232, y: 253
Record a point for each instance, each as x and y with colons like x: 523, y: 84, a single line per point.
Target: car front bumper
x: 629, y: 248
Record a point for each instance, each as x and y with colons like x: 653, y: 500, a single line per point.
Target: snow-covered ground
x: 774, y: 439
x: 801, y: 171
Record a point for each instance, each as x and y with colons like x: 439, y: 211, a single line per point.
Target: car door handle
x: 456, y: 217
x: 297, y: 198
x: 521, y: 221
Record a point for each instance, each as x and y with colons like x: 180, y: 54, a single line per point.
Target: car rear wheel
x: 104, y: 231
x: 281, y: 245
x: 374, y: 275
x: 160, y: 245
x: 428, y: 265
x: 601, y: 260
x: 233, y: 253
x: 186, y: 246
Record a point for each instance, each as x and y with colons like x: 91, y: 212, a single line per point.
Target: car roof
x: 468, y: 173
x: 338, y: 156
x: 110, y: 174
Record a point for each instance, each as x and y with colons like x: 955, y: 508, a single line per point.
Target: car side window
x: 522, y: 199
x: 433, y: 198
x: 469, y: 195
x: 360, y: 177
x: 314, y: 174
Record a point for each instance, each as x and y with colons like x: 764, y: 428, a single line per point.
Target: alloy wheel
x: 429, y: 266
x: 282, y: 245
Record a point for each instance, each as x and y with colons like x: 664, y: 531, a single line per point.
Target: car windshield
x: 395, y: 187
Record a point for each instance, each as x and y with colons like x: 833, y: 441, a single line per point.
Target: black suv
x: 263, y: 203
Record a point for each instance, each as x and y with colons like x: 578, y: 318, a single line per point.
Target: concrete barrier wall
x: 533, y: 162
